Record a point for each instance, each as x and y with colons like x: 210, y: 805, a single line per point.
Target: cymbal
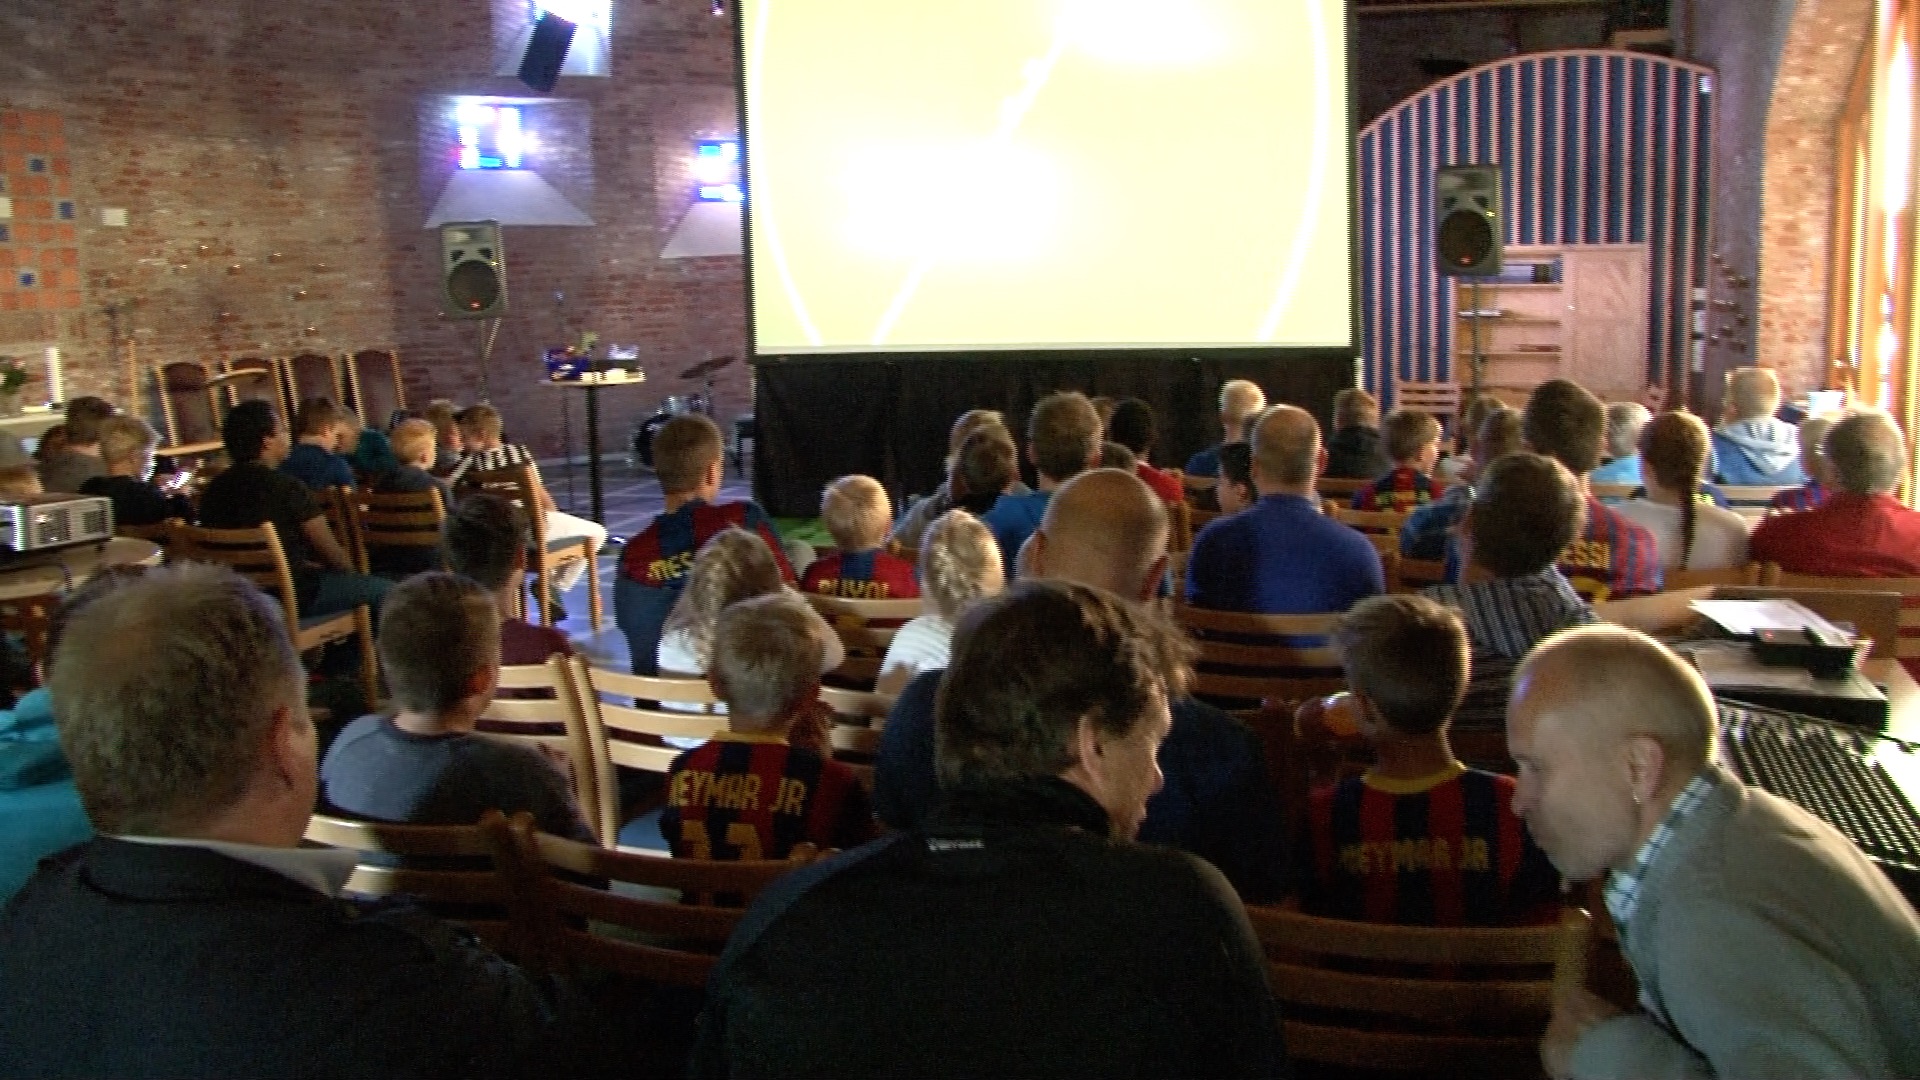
x: 707, y: 367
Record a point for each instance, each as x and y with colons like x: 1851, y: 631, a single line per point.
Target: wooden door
x: 1607, y: 319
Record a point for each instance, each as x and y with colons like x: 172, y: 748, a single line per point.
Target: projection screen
x: 1046, y: 174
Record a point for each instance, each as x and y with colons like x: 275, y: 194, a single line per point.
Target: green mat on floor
x: 806, y: 529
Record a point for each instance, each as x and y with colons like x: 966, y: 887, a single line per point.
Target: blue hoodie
x: 1763, y: 452
x: 39, y: 809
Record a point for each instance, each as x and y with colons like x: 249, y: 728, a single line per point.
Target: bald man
x: 1861, y: 530
x: 1281, y: 556
x: 1107, y: 529
x: 1763, y: 942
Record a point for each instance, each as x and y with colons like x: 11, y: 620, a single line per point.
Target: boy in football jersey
x: 1413, y: 441
x: 766, y: 784
x: 1420, y: 839
x: 855, y: 509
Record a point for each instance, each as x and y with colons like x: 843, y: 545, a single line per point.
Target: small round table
x: 56, y: 572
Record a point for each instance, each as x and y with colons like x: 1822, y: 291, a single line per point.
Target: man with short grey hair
x: 194, y: 936
x: 1624, y: 421
x: 1862, y: 530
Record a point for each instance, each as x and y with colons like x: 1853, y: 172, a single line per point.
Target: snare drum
x: 685, y: 404
x: 643, y: 436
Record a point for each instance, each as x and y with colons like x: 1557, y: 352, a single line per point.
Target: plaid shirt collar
x: 1623, y: 886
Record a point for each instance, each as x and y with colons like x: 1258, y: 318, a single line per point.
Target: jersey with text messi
x: 663, y: 552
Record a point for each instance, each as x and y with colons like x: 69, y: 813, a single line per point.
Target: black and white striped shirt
x: 500, y: 457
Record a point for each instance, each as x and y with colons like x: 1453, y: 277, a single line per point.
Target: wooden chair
x: 374, y: 383
x: 188, y: 408
x: 1280, y: 670
x: 256, y: 555
x: 1431, y: 1018
x: 859, y: 718
x: 552, y: 724
x: 477, y: 896
x: 1417, y: 574
x: 311, y: 375
x: 1749, y: 574
x: 1179, y: 528
x: 263, y: 384
x: 1906, y: 643
x: 866, y: 629
x: 664, y: 940
x: 1612, y: 493
x: 342, y: 506
x: 1340, y: 489
x: 627, y: 732
x: 397, y: 524
x: 1440, y: 399
x: 520, y: 484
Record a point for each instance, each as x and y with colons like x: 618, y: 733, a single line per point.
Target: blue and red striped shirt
x: 1613, y: 558
x: 1444, y: 851
x: 1807, y: 496
x: 742, y: 796
x: 664, y: 551
x: 862, y: 575
x: 1401, y: 490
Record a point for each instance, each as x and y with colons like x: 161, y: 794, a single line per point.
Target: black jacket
x: 1007, y: 937
x: 1354, y: 453
x: 124, y: 959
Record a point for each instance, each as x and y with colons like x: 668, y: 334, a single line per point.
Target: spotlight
x: 716, y: 169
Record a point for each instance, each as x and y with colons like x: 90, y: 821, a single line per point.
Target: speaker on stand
x: 1467, y: 242
x: 473, y: 268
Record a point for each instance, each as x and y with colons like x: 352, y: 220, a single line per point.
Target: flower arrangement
x: 13, y: 375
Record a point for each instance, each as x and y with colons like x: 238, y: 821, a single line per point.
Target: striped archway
x: 1595, y: 147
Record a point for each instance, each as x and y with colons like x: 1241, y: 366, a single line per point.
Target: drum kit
x: 677, y: 405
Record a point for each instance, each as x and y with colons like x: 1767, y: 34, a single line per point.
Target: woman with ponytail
x: 1690, y: 532
x: 959, y: 565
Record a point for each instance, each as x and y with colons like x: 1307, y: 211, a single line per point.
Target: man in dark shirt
x: 194, y: 936
x: 253, y: 492
x: 126, y: 447
x: 1020, y: 931
x: 320, y: 429
x: 423, y: 765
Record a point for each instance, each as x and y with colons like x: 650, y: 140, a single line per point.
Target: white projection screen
x: 1047, y: 174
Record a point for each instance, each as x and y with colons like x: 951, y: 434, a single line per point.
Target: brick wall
x: 269, y: 157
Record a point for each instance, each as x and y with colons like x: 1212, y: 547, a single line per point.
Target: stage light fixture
x: 716, y: 169
x: 491, y: 136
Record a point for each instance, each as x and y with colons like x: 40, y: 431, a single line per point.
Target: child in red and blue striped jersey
x: 1413, y: 442
x: 767, y: 783
x: 856, y: 510
x: 1420, y: 839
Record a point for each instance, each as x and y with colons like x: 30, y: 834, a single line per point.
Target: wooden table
x: 61, y: 571
x: 591, y: 383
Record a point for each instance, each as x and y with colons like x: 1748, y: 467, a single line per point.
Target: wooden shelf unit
x: 1590, y: 326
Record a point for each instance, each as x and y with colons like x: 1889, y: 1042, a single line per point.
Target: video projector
x: 46, y: 522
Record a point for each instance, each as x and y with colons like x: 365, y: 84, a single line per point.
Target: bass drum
x: 643, y: 436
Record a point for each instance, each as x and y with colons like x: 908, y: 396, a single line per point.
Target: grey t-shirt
x: 377, y: 771
x: 65, y: 472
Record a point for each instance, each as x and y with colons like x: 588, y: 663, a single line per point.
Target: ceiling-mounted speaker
x: 473, y: 269
x: 546, y: 51
x: 1468, y: 227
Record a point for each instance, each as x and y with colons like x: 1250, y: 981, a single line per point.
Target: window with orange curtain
x: 1874, y: 343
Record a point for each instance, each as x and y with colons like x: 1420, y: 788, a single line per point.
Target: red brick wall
x: 268, y: 156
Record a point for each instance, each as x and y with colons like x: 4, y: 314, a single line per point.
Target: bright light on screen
x: 980, y: 174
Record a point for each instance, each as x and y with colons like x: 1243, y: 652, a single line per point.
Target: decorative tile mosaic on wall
x: 39, y: 250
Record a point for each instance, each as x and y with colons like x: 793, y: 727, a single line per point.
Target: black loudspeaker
x: 546, y: 51
x: 1468, y: 231
x: 473, y: 266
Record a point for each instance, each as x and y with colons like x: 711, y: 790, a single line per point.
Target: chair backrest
x: 373, y: 376
x: 1373, y: 522
x: 668, y: 939
x: 1179, y: 527
x: 866, y: 629
x: 1440, y: 399
x: 187, y: 407
x: 311, y: 375
x: 1749, y: 574
x: 407, y: 521
x: 1430, y: 1017
x: 1417, y: 574
x: 1341, y: 488
x: 342, y: 506
x: 624, y: 726
x: 1612, y: 493
x: 1294, y: 660
x: 1748, y: 497
x: 254, y: 554
x: 263, y: 386
x: 550, y: 723
x: 473, y: 886
x: 1840, y: 599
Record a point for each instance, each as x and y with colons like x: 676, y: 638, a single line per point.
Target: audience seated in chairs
x: 1625, y: 420
x: 1063, y: 440
x: 126, y: 449
x: 769, y: 782
x: 40, y: 811
x: 1420, y: 839
x: 1019, y: 930
x: 1282, y: 557
x: 320, y: 430
x: 1107, y: 529
x: 1526, y: 510
x: 1612, y: 558
x: 1354, y: 452
x: 959, y: 565
x: 424, y: 764
x: 72, y: 460
x: 1813, y: 463
x: 1131, y: 425
x: 253, y: 491
x: 194, y: 936
x: 1861, y: 530
x: 1764, y: 943
x: 1240, y: 401
x: 856, y: 512
x: 653, y: 566
x: 20, y: 482
x: 913, y: 524
x: 1688, y: 530
x: 1413, y: 441
x: 1753, y: 448
x: 1429, y: 531
x: 480, y: 430
x: 484, y: 540
x: 447, y: 448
